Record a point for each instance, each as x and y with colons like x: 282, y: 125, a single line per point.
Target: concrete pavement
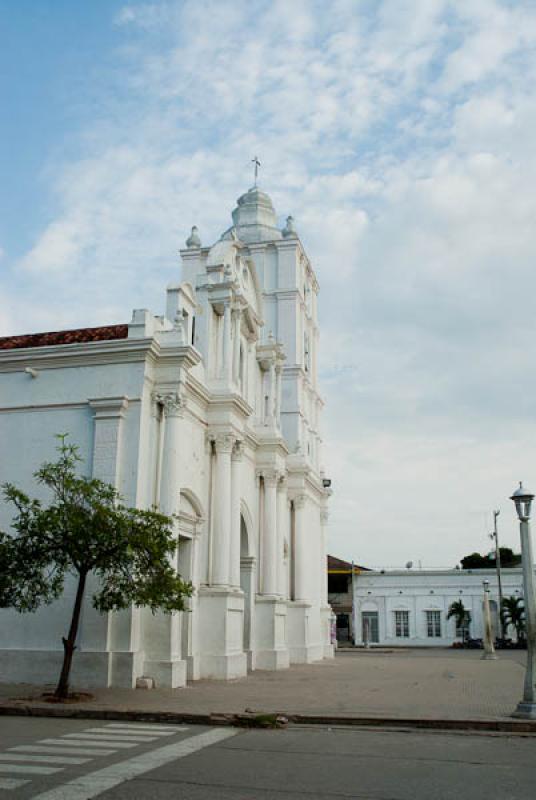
x: 411, y: 684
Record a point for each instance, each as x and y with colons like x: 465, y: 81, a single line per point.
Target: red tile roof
x: 102, y: 334
x: 338, y: 565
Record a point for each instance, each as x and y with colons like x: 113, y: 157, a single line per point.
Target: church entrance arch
x: 190, y: 522
x: 247, y: 584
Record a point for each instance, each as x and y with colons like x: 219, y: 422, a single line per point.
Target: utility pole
x: 495, y: 537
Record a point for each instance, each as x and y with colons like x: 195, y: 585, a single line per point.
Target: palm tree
x: 462, y: 617
x: 513, y: 613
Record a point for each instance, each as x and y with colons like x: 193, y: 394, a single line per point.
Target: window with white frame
x: 433, y: 624
x: 402, y: 624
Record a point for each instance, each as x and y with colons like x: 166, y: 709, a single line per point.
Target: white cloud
x: 400, y: 137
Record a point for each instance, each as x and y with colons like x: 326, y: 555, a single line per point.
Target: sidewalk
x: 406, y: 685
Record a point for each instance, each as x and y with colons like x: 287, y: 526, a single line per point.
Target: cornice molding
x: 79, y: 404
x: 109, y: 407
x: 79, y: 354
x: 83, y: 354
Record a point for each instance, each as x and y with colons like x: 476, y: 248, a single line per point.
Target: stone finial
x: 193, y: 239
x: 289, y: 230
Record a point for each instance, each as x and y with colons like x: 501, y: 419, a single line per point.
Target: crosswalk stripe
x: 29, y: 768
x: 139, y: 732
x: 42, y: 759
x: 127, y: 736
x: 146, y: 726
x: 88, y: 741
x: 92, y: 784
x: 75, y: 751
x: 12, y: 783
x: 113, y: 741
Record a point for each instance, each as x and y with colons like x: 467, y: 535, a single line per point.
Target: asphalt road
x: 53, y: 759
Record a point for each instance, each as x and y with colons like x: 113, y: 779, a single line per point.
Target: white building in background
x: 210, y: 411
x: 408, y: 608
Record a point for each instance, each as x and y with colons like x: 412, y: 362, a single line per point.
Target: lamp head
x: 523, y: 501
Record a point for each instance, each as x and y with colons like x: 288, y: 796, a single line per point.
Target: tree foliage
x: 85, y: 529
x: 461, y: 615
x: 478, y: 561
x: 513, y: 613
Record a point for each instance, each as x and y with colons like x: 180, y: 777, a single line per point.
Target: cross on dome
x: 257, y: 163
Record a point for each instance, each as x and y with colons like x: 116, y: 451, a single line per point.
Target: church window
x: 193, y: 330
x: 306, y: 354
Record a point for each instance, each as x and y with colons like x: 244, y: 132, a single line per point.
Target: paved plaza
x: 421, y: 684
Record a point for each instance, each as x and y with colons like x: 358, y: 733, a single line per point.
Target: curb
x: 271, y: 719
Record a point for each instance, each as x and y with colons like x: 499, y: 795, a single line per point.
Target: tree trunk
x: 62, y: 689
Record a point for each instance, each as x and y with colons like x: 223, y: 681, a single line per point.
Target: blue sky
x: 400, y: 135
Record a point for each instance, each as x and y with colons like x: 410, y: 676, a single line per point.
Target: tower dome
x: 254, y: 217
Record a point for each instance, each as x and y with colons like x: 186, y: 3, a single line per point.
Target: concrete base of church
x: 124, y: 668
x: 193, y: 672
x: 326, y: 614
x: 168, y: 674
x: 221, y: 632
x: 251, y: 657
x: 301, y: 650
x: 91, y: 670
x: 271, y: 618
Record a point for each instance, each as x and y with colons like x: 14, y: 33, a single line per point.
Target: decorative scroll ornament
x: 193, y: 239
x: 289, y: 231
x: 172, y: 403
x: 238, y: 450
x: 224, y: 442
x: 299, y: 501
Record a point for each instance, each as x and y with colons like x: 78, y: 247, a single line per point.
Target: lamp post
x: 526, y: 708
x: 495, y: 537
x: 489, y: 650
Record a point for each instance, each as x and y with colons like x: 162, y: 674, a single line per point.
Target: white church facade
x: 210, y: 412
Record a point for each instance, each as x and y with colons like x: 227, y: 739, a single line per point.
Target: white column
x: 236, y: 460
x: 282, y: 530
x: 170, y: 496
x: 323, y: 558
x: 170, y: 483
x: 221, y: 544
x: 269, y: 534
x: 300, y: 551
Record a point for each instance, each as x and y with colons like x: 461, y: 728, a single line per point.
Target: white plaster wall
x: 419, y: 591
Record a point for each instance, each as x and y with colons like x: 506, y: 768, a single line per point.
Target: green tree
x: 461, y: 615
x: 475, y: 561
x: 478, y: 561
x: 513, y: 613
x: 84, y: 529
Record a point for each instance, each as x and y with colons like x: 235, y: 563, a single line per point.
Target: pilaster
x: 162, y: 634
x: 107, y: 641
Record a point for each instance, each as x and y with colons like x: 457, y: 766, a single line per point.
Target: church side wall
x: 32, y: 411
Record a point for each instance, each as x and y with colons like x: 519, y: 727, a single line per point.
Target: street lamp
x: 495, y: 536
x: 526, y: 708
x: 489, y: 650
